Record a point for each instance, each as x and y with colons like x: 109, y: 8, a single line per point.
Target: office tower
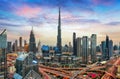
x: 13, y: 47
x: 74, y: 44
x: 20, y: 43
x: 115, y: 47
x: 39, y: 48
x: 93, y: 48
x: 45, y: 50
x: 79, y: 47
x: 110, y: 48
x: 70, y: 47
x: 65, y: 48
x: 32, y: 43
x: 3, y: 56
x: 103, y: 44
x: 9, y: 47
x: 21, y: 62
x: 59, y: 41
x: 16, y: 45
x: 107, y: 48
x: 85, y: 47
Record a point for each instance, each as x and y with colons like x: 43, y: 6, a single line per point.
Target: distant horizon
x: 37, y: 40
x: 85, y: 17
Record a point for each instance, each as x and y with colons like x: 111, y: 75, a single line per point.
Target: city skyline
x: 80, y: 16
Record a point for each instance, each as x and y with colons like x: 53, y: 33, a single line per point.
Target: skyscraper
x: 59, y: 41
x: 70, y: 47
x: 32, y: 43
x: 3, y: 55
x: 20, y: 43
x: 107, y: 48
x: 103, y: 44
x: 9, y: 47
x: 16, y: 45
x: 110, y: 48
x: 74, y: 44
x: 85, y: 47
x: 79, y: 47
x: 93, y: 48
x: 39, y: 48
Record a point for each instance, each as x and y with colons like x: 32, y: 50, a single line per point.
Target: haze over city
x: 85, y: 17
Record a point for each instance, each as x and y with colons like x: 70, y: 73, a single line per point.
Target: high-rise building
x: 103, y: 44
x: 79, y: 47
x: 70, y: 47
x: 3, y: 56
x: 74, y: 44
x: 107, y: 48
x: 20, y: 43
x: 13, y: 47
x: 39, y: 48
x: 32, y: 43
x: 9, y: 47
x: 16, y: 45
x: 59, y: 41
x: 65, y: 48
x: 85, y: 48
x: 93, y: 48
x: 110, y: 48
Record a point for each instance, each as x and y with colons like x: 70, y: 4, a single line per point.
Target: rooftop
x: 22, y: 56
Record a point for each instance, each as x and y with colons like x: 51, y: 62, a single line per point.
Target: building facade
x: 20, y: 43
x: 32, y: 43
x: 74, y: 44
x: 85, y: 49
x: 93, y: 47
x: 59, y: 40
x: 79, y: 47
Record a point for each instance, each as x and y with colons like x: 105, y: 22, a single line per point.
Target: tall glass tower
x: 107, y: 48
x: 59, y: 41
x: 32, y: 43
x: 85, y: 48
x: 93, y: 47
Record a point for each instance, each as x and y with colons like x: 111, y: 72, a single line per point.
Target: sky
x: 85, y: 17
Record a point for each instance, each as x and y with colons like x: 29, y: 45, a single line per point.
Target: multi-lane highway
x: 110, y: 73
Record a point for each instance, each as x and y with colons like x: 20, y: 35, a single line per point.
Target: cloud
x: 28, y: 11
x: 113, y: 23
x: 9, y: 25
x: 81, y: 21
x: 104, y: 2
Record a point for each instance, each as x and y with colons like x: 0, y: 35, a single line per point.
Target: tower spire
x: 59, y: 21
x: 59, y: 32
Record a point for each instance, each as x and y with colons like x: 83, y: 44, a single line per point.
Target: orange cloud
x: 28, y: 12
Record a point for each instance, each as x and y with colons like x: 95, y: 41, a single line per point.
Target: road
x: 110, y: 74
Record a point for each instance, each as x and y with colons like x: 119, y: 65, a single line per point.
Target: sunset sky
x: 85, y: 17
